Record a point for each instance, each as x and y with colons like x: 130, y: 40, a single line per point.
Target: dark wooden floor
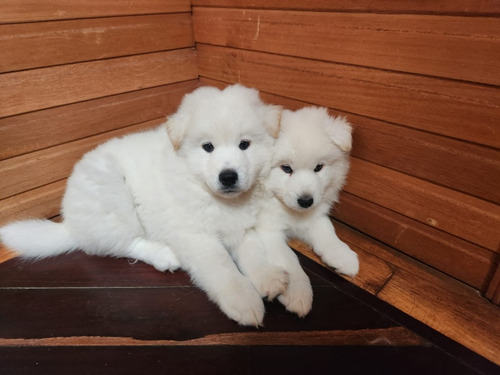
x: 82, y: 315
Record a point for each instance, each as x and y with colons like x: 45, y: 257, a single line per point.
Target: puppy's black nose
x: 228, y: 177
x: 305, y: 201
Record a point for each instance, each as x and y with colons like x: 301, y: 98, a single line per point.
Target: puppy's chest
x: 231, y: 226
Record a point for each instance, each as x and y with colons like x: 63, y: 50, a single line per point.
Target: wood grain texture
x: 404, y: 291
x: 455, y: 109
x: 41, y: 129
x: 36, y: 89
x: 31, y: 10
x: 493, y: 292
x: 396, y: 336
x: 466, y: 217
x: 447, y: 305
x: 462, y: 166
x: 42, y: 44
x: 462, y: 48
x: 386, y: 6
x: 42, y: 202
x: 141, y: 317
x: 373, y: 272
x: 458, y: 258
x: 43, y: 167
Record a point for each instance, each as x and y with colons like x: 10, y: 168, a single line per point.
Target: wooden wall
x: 419, y: 81
x: 73, y: 74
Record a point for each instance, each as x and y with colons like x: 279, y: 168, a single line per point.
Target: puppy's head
x: 225, y: 136
x: 311, y: 159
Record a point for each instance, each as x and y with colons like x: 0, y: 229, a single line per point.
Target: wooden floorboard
x: 79, y: 314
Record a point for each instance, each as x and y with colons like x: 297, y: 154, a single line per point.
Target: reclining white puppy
x: 310, y: 165
x: 194, y: 185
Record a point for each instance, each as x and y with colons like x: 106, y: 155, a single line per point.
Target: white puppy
x: 193, y: 186
x: 310, y: 166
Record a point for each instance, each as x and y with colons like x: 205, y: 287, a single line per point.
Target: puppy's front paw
x: 343, y: 259
x: 298, y: 297
x: 243, y: 304
x: 272, y: 282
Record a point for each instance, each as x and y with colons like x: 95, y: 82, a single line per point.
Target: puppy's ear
x: 176, y: 128
x: 271, y: 117
x: 178, y: 123
x: 340, y: 132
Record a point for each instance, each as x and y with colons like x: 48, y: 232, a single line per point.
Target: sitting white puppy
x: 194, y: 185
x: 310, y: 165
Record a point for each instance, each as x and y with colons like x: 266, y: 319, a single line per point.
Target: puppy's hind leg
x: 159, y: 256
x: 100, y: 212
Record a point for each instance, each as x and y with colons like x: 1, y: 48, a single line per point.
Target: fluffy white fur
x: 310, y: 166
x: 194, y: 186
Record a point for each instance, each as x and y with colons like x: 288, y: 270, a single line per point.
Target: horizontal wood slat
x: 36, y: 89
x: 453, y: 256
x: 42, y: 44
x: 37, y: 130
x: 29, y: 10
x: 463, y: 216
x: 43, y: 202
x: 463, y: 48
x: 39, y: 168
x: 399, y: 6
x: 462, y: 166
x: 460, y: 110
x: 493, y: 292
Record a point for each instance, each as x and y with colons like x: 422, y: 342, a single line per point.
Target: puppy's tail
x: 37, y: 238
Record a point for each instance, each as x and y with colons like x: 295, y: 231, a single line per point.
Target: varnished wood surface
x: 59, y: 313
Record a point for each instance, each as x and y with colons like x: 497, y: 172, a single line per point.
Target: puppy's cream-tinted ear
x: 271, y: 116
x: 340, y: 133
x: 176, y: 128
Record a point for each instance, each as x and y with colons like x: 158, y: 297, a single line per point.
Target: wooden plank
x: 29, y: 10
x: 373, y: 272
x: 48, y: 87
x: 29, y: 171
x: 396, y: 336
x: 455, y: 109
x: 462, y: 166
x: 466, y: 217
x: 114, y: 312
x: 458, y: 258
x: 42, y: 202
x: 493, y: 292
x: 459, y: 165
x: 462, y: 48
x: 230, y: 360
x: 6, y: 254
x: 37, y: 130
x: 444, y: 304
x: 41, y: 44
x: 78, y: 270
x: 400, y: 6
x: 432, y: 307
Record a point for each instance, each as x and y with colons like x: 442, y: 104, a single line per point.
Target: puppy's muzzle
x: 305, y: 201
x: 228, y: 178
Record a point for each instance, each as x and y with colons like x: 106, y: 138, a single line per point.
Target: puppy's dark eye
x: 318, y: 168
x: 244, y: 145
x: 208, y: 147
x: 287, y: 169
